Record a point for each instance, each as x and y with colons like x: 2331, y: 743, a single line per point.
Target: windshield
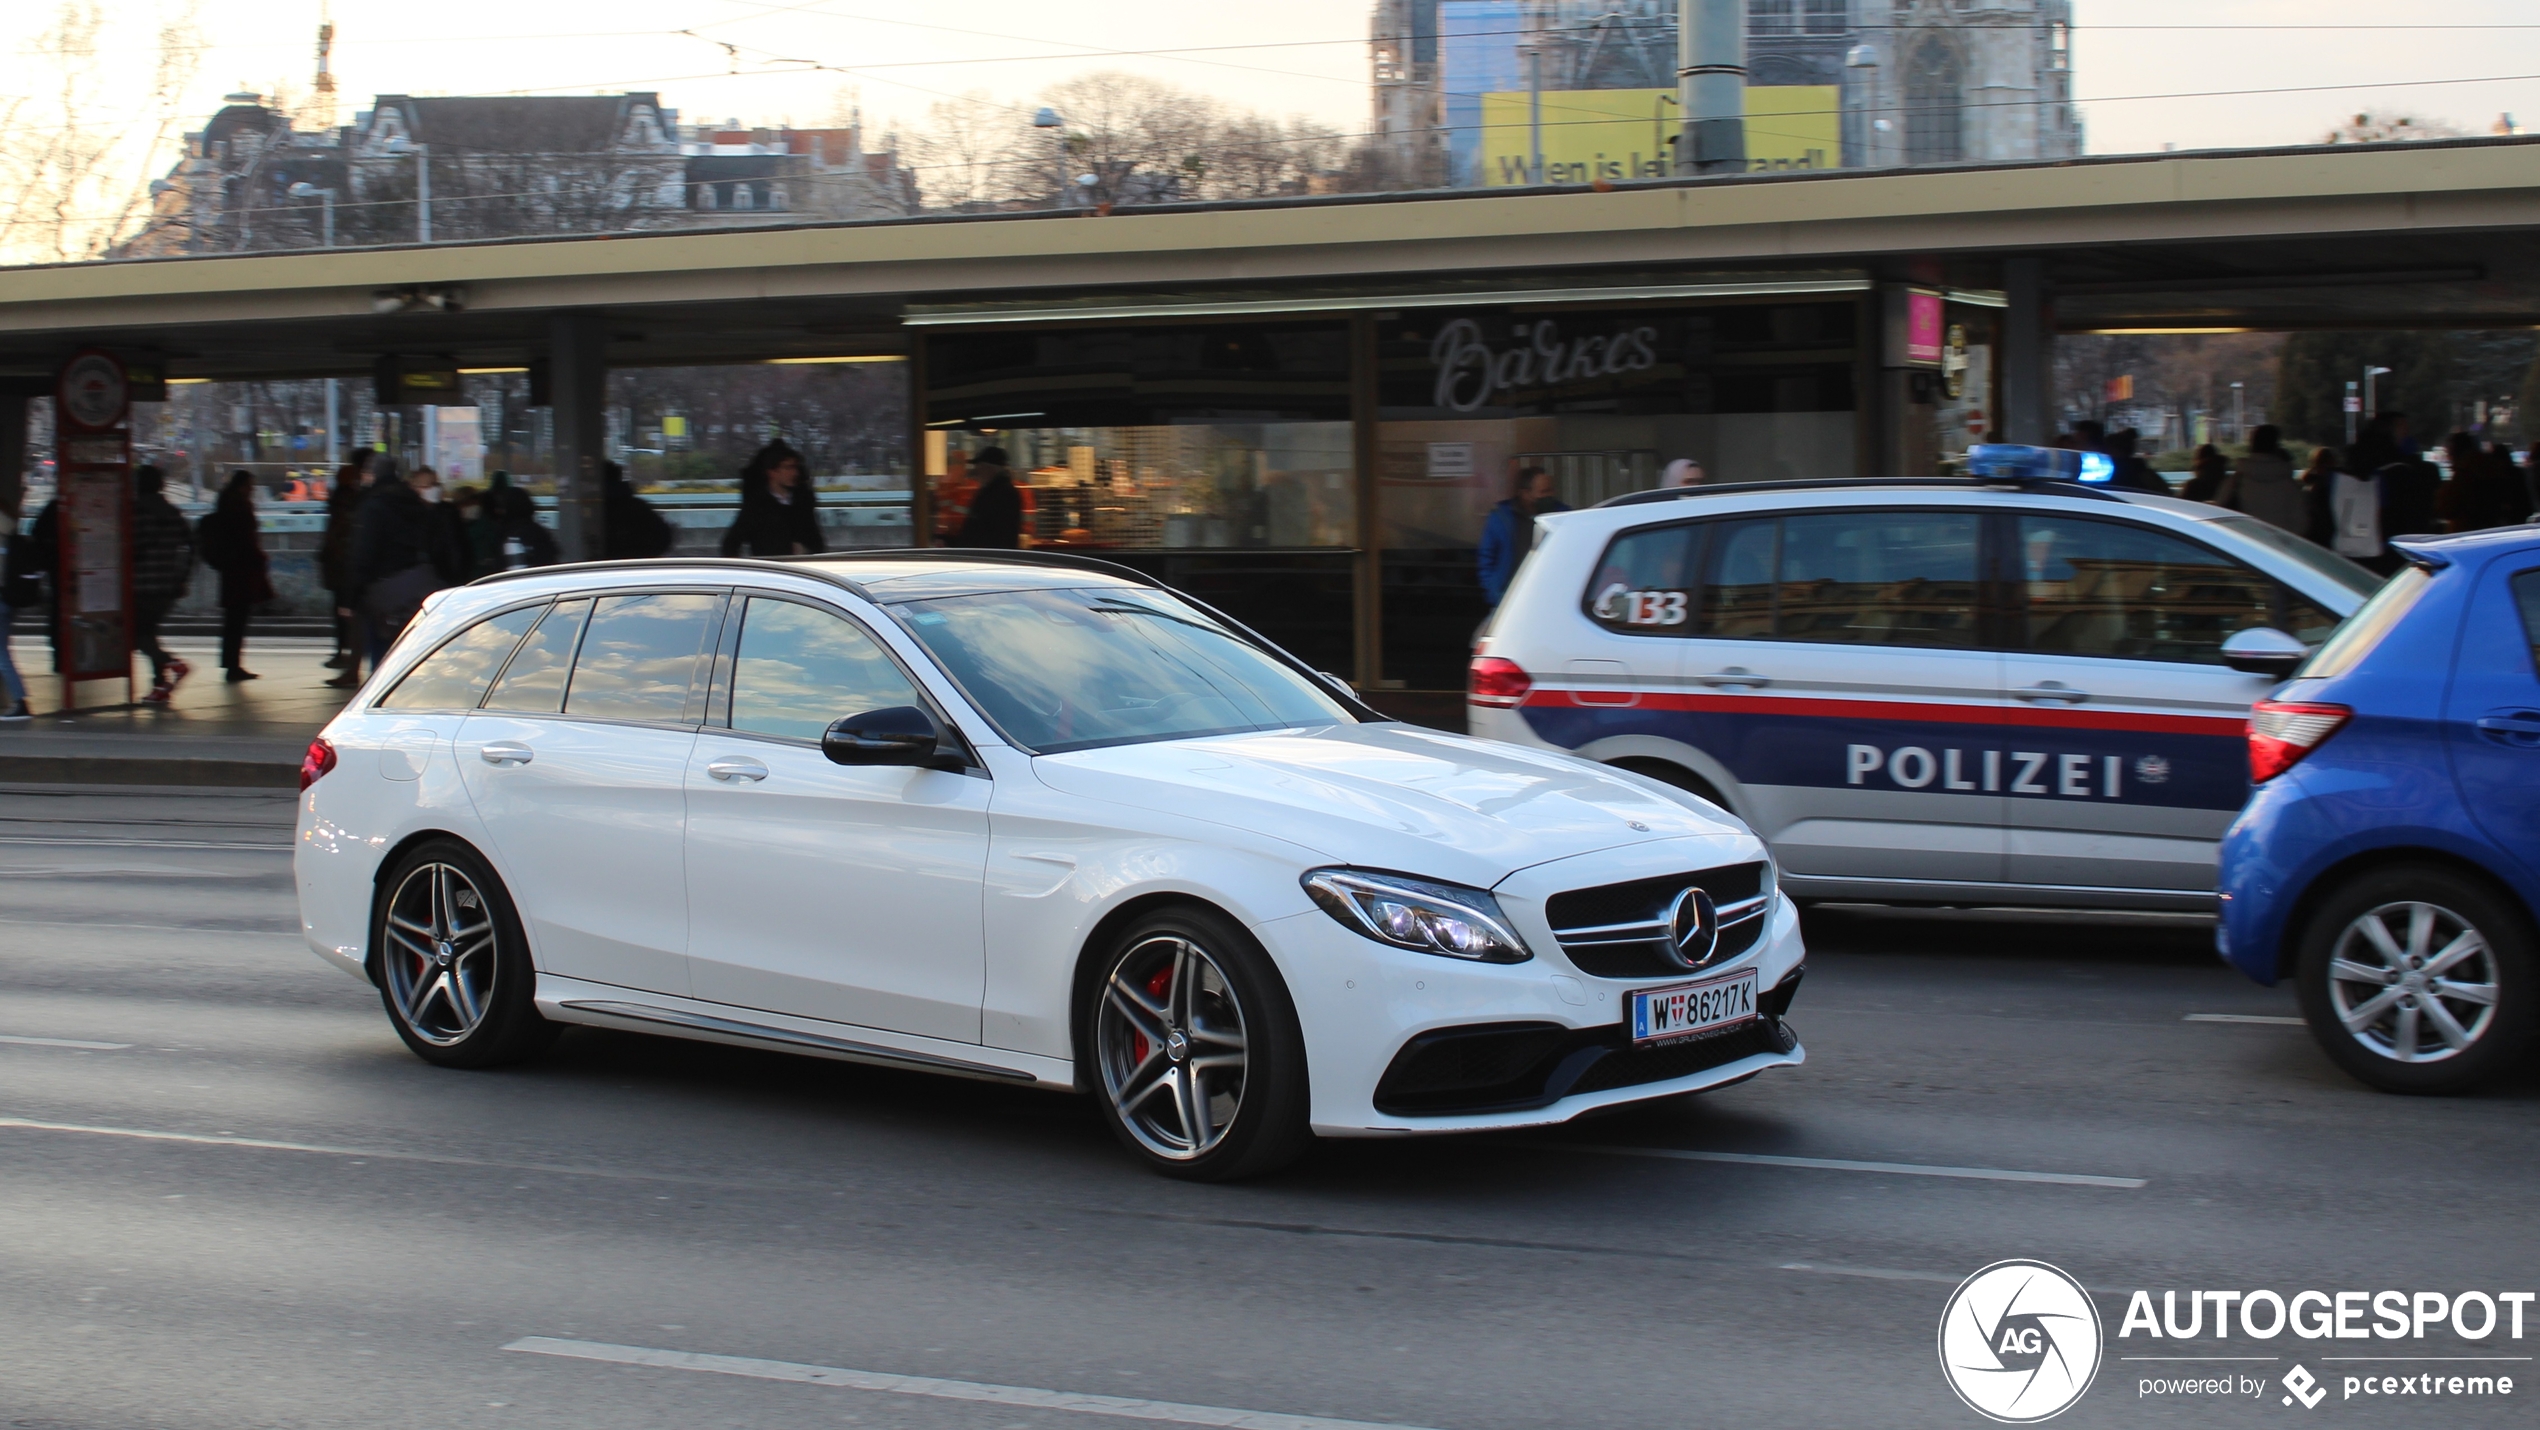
x: 1070, y: 670
x: 2319, y: 558
x: 2359, y: 633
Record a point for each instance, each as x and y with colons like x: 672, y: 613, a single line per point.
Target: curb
x: 145, y: 770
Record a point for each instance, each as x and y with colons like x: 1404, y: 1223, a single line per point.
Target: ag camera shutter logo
x: 2020, y: 1342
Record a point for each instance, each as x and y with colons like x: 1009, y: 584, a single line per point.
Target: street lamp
x: 1863, y: 62
x: 401, y: 145
x: 2239, y: 415
x: 2371, y: 407
x: 1048, y: 118
x: 306, y: 190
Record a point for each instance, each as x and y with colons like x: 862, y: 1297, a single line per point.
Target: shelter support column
x: 2028, y: 353
x: 921, y: 468
x: 577, y: 367
x: 1367, y: 610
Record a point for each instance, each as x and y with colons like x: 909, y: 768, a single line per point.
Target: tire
x: 2440, y: 1000
x: 453, y: 967
x: 1194, y: 1052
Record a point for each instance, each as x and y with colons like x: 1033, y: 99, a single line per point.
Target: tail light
x: 2281, y: 732
x: 1498, y: 683
x: 314, y: 764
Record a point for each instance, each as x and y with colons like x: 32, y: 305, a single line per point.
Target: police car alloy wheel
x: 450, y: 961
x: 2417, y: 980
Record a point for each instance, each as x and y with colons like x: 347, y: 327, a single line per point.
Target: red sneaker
x: 159, y: 693
x: 177, y: 671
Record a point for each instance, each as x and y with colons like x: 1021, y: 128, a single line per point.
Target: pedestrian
x: 232, y: 546
x: 630, y: 530
x: 335, y: 565
x: 2357, y: 508
x: 2319, y: 487
x: 1508, y: 533
x: 470, y: 514
x: 2132, y: 472
x: 19, y: 591
x: 2207, y: 471
x: 2480, y: 494
x: 780, y: 513
x: 995, y: 519
x: 1682, y: 472
x: 519, y: 540
x: 2262, y: 484
x: 162, y: 567
x: 405, y: 549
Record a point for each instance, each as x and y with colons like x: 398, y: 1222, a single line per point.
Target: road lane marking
x: 374, y: 1154
x: 1018, y: 1396
x: 1839, y: 1164
x: 2272, y: 1020
x: 138, y: 844
x: 1874, y: 1273
x: 80, y: 1043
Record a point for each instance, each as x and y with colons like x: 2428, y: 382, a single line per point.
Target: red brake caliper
x: 1156, y: 987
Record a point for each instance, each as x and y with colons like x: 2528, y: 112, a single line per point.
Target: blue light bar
x: 2012, y: 461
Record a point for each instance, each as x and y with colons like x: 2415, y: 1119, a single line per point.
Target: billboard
x: 1591, y: 134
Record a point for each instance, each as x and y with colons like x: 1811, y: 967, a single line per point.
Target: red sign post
x: 92, y: 569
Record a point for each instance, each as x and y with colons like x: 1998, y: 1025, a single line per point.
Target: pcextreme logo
x: 2020, y: 1342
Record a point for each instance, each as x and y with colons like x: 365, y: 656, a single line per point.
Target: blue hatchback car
x: 2388, y: 860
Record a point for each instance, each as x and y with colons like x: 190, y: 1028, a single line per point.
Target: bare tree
x: 969, y: 151
x: 74, y: 177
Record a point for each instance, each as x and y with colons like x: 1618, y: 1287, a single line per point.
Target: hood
x: 1394, y: 797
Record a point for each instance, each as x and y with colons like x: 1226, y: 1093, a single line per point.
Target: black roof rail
x: 1723, y: 489
x: 674, y: 563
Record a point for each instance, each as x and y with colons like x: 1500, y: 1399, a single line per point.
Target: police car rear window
x: 1902, y: 577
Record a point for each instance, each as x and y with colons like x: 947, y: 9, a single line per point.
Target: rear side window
x: 2364, y: 629
x: 1882, y: 578
x: 455, y: 676
x: 533, y: 684
x: 1645, y: 585
x: 639, y: 657
x: 2527, y: 597
x: 2105, y: 588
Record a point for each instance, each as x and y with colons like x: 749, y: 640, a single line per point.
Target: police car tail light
x: 316, y: 761
x: 2281, y: 732
x: 1499, y: 683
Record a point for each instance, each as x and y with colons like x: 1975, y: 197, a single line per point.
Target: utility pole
x: 1534, y: 114
x: 2239, y: 414
x: 1711, y: 85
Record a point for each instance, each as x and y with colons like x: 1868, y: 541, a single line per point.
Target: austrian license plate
x: 1690, y: 1010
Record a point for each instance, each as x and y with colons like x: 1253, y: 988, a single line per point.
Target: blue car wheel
x: 2417, y: 979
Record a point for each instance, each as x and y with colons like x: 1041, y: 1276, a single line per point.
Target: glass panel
x: 455, y: 676
x: 2105, y: 588
x: 2363, y: 630
x: 1068, y: 670
x: 640, y: 656
x: 801, y: 669
x: 1645, y: 584
x: 1186, y: 487
x: 533, y: 684
x: 2527, y: 596
x: 1899, y: 578
x: 1737, y: 598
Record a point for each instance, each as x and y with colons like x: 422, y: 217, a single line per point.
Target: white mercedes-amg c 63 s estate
x: 1021, y: 817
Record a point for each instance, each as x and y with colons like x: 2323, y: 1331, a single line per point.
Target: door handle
x: 2518, y: 727
x: 1736, y: 677
x: 730, y: 768
x: 506, y: 752
x: 2054, y: 691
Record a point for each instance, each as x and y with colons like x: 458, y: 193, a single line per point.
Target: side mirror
x: 900, y: 735
x: 2264, y: 650
x: 1343, y: 686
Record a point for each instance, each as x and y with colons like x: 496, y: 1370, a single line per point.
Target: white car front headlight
x: 1444, y: 919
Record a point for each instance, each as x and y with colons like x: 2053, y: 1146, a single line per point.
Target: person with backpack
x: 630, y: 530
x: 405, y: 549
x: 232, y: 546
x: 519, y: 541
x: 2262, y: 484
x: 162, y: 567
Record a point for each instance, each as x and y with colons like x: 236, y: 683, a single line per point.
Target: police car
x: 2018, y: 687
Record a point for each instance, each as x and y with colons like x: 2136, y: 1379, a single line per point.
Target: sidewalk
x: 248, y: 735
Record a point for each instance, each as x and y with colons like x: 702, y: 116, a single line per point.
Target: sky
x: 1304, y: 57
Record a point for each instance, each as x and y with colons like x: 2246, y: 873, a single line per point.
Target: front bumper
x: 1361, y: 1003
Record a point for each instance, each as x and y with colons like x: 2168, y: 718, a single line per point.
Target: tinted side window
x: 640, y: 656
x: 2527, y: 596
x: 1645, y: 585
x: 799, y: 669
x: 1888, y: 578
x: 533, y: 684
x: 455, y: 676
x: 1737, y: 593
x: 2104, y: 588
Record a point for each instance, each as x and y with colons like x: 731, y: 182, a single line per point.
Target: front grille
x: 1620, y: 930
x: 1514, y: 1067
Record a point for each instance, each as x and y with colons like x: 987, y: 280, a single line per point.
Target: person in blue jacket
x: 1509, y: 532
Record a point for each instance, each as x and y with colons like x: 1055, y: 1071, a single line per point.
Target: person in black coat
x: 630, y: 529
x: 232, y: 546
x: 780, y: 514
x: 518, y: 538
x: 162, y: 567
x: 405, y: 548
x: 995, y: 520
x: 20, y: 590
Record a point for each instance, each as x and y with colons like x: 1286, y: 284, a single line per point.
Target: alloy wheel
x: 1170, y: 1041
x: 2413, y: 982
x: 441, y: 953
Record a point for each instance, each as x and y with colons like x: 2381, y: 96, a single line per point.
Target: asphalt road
x: 247, y: 1205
